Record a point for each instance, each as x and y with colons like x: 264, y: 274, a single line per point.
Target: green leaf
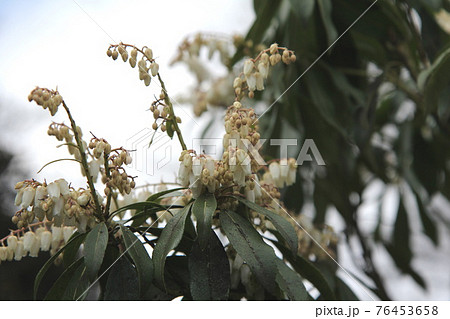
x: 307, y: 270
x: 265, y: 12
x: 155, y: 196
x: 250, y: 246
x: 203, y: 209
x: 169, y: 128
x: 136, y: 250
x: 435, y: 79
x: 70, y: 253
x: 291, y: 283
x: 169, y: 239
x: 400, y: 247
x: 94, y: 249
x: 72, y: 242
x: 325, y: 8
x: 122, y: 282
x: 303, y: 9
x: 209, y: 270
x: 69, y: 276
x: 138, y: 206
x: 281, y: 224
x: 77, y: 289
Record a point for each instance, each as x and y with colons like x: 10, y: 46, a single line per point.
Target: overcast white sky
x: 63, y: 43
x: 56, y: 43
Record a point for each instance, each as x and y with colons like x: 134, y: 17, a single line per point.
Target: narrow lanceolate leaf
x: 308, y: 271
x: 71, y: 251
x: 155, y: 196
x: 94, y: 249
x: 78, y: 285
x: 203, y: 209
x: 209, y: 270
x: 141, y: 259
x: 250, y: 246
x: 325, y: 8
x: 68, y: 277
x: 169, y: 239
x: 280, y: 223
x: 122, y: 282
x: 72, y: 242
x: 291, y: 283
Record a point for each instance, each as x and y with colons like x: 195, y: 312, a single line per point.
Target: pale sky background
x: 56, y: 43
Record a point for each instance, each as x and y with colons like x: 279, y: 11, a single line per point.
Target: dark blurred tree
x: 376, y: 105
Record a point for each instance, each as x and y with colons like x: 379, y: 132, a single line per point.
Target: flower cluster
x: 161, y: 114
x: 190, y: 47
x: 211, y: 89
x: 63, y: 132
x: 257, y: 70
x: 46, y: 98
x: 198, y: 172
x: 56, y: 202
x: 114, y: 175
x: 22, y: 243
x: 146, y: 65
x: 281, y: 173
x: 324, y: 243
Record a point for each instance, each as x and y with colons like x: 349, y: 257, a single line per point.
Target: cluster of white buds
x: 324, y: 243
x: 46, y: 98
x: 63, y: 132
x: 115, y: 175
x: 146, y: 65
x: 55, y: 202
x: 209, y: 90
x: 241, y: 274
x: 257, y: 70
x: 99, y: 147
x: 281, y: 173
x: 198, y: 172
x: 191, y: 46
x: 161, y: 113
x: 22, y: 243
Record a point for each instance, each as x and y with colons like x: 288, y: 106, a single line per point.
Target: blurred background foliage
x: 376, y: 105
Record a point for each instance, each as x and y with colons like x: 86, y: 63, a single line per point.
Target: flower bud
x: 147, y: 79
x: 57, y: 234
x: 28, y: 196
x: 124, y: 56
x: 148, y: 53
x: 28, y: 240
x: 46, y: 240
x: 12, y: 242
x: 154, y: 68
x: 248, y: 67
x: 115, y: 55
x: 109, y: 52
x: 273, y: 48
x: 83, y: 200
x: 251, y: 82
x: 259, y: 81
x: 19, y: 251
x: 237, y: 82
x: 67, y: 232
x: 54, y: 190
x: 34, y: 250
